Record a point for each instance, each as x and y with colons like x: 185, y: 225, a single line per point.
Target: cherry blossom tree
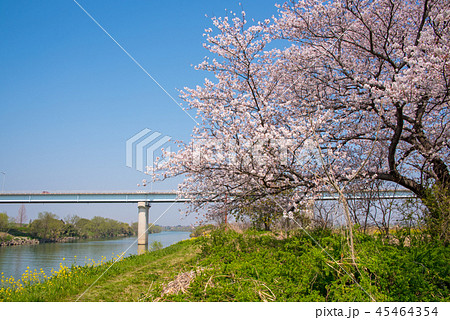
x: 241, y: 152
x: 323, y: 94
x: 376, y: 67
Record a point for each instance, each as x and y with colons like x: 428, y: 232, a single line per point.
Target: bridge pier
x: 143, y: 226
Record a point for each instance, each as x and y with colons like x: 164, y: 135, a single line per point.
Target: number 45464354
x: 405, y: 311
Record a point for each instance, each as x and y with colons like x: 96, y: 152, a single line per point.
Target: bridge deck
x: 97, y: 197
x: 161, y: 197
x: 382, y: 194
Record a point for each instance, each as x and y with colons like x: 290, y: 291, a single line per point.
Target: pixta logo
x: 144, y: 149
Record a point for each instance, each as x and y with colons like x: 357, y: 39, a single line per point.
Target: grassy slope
x: 260, y: 267
x: 141, y: 277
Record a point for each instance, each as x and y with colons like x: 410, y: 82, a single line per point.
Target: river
x: 14, y: 260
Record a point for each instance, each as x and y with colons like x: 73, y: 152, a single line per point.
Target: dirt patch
x: 179, y: 284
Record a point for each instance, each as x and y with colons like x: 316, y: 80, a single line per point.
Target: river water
x: 14, y: 260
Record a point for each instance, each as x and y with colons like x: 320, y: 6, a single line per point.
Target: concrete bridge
x: 144, y: 200
x: 91, y: 197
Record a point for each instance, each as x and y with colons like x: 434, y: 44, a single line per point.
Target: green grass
x: 260, y: 267
x: 256, y: 266
x: 138, y: 278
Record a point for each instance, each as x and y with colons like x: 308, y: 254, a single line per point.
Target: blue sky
x: 70, y: 97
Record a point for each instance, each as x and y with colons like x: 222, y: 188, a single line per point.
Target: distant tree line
x: 49, y: 227
x: 157, y: 228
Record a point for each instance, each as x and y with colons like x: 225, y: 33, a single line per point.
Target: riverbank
x: 127, y: 279
x: 255, y: 266
x: 71, y: 239
x: 7, y: 240
x: 14, y: 260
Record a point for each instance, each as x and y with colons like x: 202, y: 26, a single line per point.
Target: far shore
x: 7, y: 240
